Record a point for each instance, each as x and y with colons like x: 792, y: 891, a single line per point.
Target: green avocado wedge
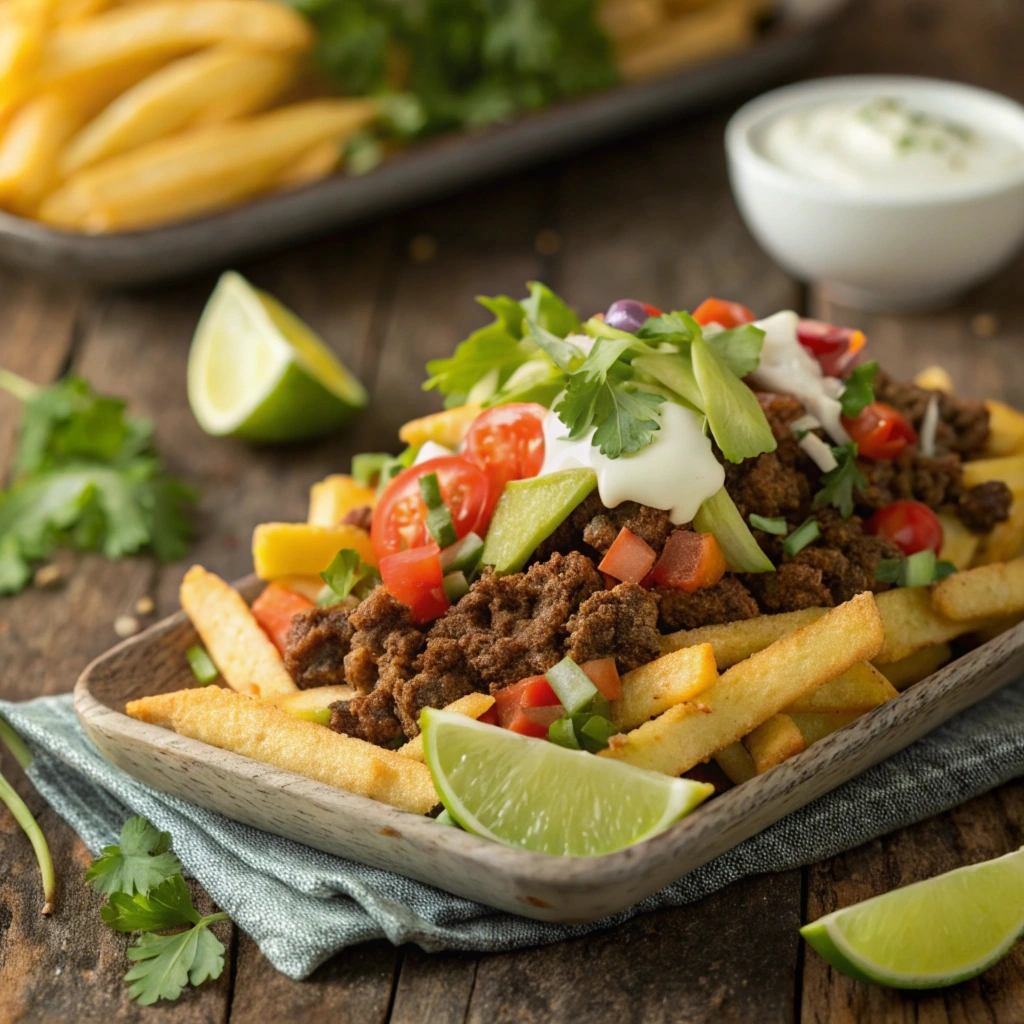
x: 528, y: 512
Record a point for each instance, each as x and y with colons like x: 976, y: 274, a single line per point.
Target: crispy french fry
x: 332, y: 498
x: 1005, y: 540
x: 649, y: 690
x: 30, y: 147
x: 817, y: 725
x: 994, y: 627
x: 314, y: 164
x: 242, y: 652
x: 231, y: 82
x: 1009, y: 469
x: 958, y: 543
x: 473, y: 705
x: 917, y: 666
x: 318, y: 698
x: 985, y: 592
x: 860, y: 688
x: 447, y: 428
x: 773, y: 742
x: 935, y: 378
x: 912, y: 622
x: 1005, y: 430
x: 735, y: 641
x: 736, y: 762
x: 300, y: 549
x: 266, y: 734
x: 752, y: 691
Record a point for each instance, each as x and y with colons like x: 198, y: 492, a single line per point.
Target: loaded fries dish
x: 635, y: 560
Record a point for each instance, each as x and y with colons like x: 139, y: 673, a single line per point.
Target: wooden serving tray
x: 561, y: 889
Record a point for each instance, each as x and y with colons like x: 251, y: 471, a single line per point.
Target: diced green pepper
x: 561, y: 731
x: 463, y: 555
x: 595, y: 732
x: 806, y: 533
x: 439, y: 518
x: 455, y: 586
x: 572, y: 685
x: 918, y: 569
x: 201, y: 664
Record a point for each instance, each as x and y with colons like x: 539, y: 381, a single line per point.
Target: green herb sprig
x: 840, y: 484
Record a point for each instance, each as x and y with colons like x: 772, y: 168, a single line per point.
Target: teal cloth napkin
x: 301, y: 905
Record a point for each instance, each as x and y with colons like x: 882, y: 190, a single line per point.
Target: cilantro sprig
x: 86, y: 475
x: 839, y: 485
x: 147, y: 894
x: 347, y: 574
x: 859, y: 392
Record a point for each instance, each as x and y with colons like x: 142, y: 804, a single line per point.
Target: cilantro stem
x: 22, y: 389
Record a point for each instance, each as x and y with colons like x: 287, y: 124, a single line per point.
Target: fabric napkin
x: 301, y: 905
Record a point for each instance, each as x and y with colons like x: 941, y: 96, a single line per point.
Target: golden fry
x: 473, y: 705
x: 773, y: 742
x: 332, y: 498
x: 958, y: 543
x: 649, y: 690
x: 1005, y: 540
x: 985, y: 592
x: 860, y: 688
x: 1005, y: 430
x: 1009, y: 469
x: 917, y: 666
x: 912, y: 622
x: 266, y: 734
x: 317, y: 163
x: 446, y: 428
x: 817, y: 725
x: 29, y: 149
x: 318, y: 698
x: 300, y: 549
x: 736, y: 763
x: 992, y: 628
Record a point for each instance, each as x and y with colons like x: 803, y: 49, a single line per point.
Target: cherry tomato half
x: 910, y: 525
x: 507, y: 443
x: 415, y: 578
x: 720, y: 311
x: 400, y: 518
x: 880, y: 431
x: 833, y: 347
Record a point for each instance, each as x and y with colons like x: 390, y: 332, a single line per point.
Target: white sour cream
x: 675, y: 472
x: 882, y: 145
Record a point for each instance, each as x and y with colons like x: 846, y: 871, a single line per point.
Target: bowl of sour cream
x: 894, y: 193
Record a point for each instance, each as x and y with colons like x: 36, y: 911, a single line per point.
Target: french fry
x: 917, y: 666
x: 736, y: 762
x: 935, y: 378
x: 985, y: 592
x: 1005, y: 430
x: 316, y: 163
x: 332, y: 498
x: 735, y: 641
x: 994, y: 627
x: 230, y: 82
x: 649, y: 690
x: 30, y: 147
x: 243, y: 653
x: 1009, y: 469
x: 959, y: 545
x: 305, y: 702
x: 912, y: 622
x: 301, y: 549
x: 266, y: 734
x: 1005, y: 540
x: 473, y: 705
x: 817, y: 725
x: 752, y: 691
x: 773, y: 742
x: 860, y: 689
x: 447, y: 428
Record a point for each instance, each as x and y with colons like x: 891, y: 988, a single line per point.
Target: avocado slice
x: 528, y: 512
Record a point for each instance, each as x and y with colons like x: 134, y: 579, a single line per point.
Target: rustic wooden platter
x: 535, y: 885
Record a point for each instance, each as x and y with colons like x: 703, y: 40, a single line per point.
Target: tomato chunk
x: 880, y: 431
x: 490, y: 716
x: 527, y: 726
x: 415, y: 578
x: 629, y: 558
x: 527, y: 695
x: 720, y: 311
x: 833, y: 347
x: 910, y: 525
x: 605, y: 676
x: 689, y: 562
x: 507, y: 443
x: 274, y: 610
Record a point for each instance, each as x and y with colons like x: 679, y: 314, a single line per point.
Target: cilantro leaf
x: 167, y: 905
x: 627, y: 419
x: 165, y: 964
x: 348, y: 573
x: 859, y: 392
x: 839, y: 484
x: 141, y: 860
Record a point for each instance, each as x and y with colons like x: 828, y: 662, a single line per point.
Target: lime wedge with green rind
x: 257, y: 372
x: 537, y: 796
x: 930, y: 934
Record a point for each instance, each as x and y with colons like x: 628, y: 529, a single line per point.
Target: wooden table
x: 650, y: 217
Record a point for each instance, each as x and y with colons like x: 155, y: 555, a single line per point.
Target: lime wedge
x: 256, y: 371
x: 937, y: 932
x: 536, y: 795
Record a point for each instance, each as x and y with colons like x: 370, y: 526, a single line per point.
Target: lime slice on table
x: 256, y: 371
x: 929, y: 934
x: 536, y: 795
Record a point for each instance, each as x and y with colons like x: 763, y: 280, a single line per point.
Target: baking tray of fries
x: 79, y: 200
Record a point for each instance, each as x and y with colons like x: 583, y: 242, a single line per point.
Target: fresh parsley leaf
x: 492, y: 348
x: 859, y: 392
x: 943, y: 568
x: 739, y: 348
x: 165, y: 964
x: 141, y: 860
x: 168, y: 905
x: 348, y: 574
x: 544, y: 307
x: 626, y: 419
x: 840, y: 484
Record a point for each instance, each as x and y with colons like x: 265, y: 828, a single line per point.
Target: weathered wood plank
x: 434, y: 987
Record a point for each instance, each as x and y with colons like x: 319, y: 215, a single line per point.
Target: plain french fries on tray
x: 523, y: 587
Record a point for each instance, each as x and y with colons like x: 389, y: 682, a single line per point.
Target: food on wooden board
x: 618, y: 540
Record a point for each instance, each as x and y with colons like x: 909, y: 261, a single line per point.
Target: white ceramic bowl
x: 881, y: 251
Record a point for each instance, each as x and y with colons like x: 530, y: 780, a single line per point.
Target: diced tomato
x: 720, y: 311
x: 532, y: 723
x: 490, y: 716
x: 507, y: 443
x: 689, y: 562
x: 880, y: 431
x: 400, y: 518
x: 910, y: 525
x: 605, y: 676
x: 274, y: 610
x: 833, y: 347
x: 651, y: 310
x: 629, y: 558
x: 526, y: 695
x: 415, y: 578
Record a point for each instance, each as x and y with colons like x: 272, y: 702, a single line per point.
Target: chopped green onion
x: 367, y: 468
x: 201, y: 664
x: 918, y: 569
x: 888, y: 570
x: 719, y: 516
x: 439, y: 518
x: 572, y: 685
x: 455, y: 586
x: 595, y: 732
x: 943, y: 569
x: 561, y: 732
x: 776, y: 525
x: 444, y: 818
x: 322, y: 716
x: 804, y: 534
x: 463, y: 555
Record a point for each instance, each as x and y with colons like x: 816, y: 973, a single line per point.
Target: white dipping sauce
x: 675, y: 472
x: 883, y: 145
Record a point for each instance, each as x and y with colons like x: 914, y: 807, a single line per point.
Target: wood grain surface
x: 648, y: 216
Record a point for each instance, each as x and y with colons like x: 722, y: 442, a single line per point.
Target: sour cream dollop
x: 675, y: 472
x: 883, y: 145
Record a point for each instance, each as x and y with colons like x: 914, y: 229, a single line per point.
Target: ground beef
x: 568, y: 535
x: 935, y: 482
x: 727, y: 601
x: 862, y: 549
x: 621, y: 623
x: 442, y: 676
x: 982, y: 507
x: 651, y: 525
x: 318, y: 640
x: 767, y: 486
x: 794, y: 585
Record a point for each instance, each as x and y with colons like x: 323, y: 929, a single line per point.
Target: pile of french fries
x: 122, y: 116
